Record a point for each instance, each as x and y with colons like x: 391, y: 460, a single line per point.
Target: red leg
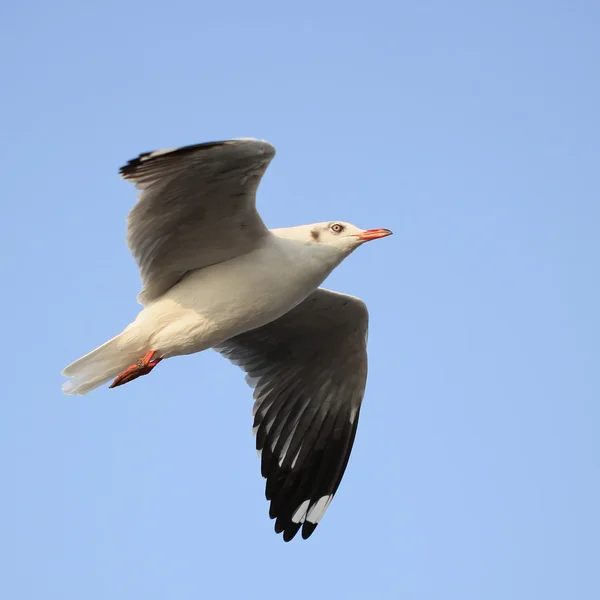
x: 142, y: 367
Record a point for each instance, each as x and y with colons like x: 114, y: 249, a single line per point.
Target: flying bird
x: 214, y: 276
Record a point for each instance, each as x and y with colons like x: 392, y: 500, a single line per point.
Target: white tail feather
x: 100, y: 366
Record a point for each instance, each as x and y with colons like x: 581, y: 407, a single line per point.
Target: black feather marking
x: 320, y: 474
x: 308, y: 529
x: 305, y: 432
x: 135, y: 163
x: 298, y: 487
x: 291, y: 529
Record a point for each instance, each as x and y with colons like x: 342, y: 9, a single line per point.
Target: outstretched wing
x: 197, y: 207
x: 309, y: 370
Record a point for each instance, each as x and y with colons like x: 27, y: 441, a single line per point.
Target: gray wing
x: 309, y: 371
x: 196, y: 208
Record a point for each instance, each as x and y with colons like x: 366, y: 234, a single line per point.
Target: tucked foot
x: 142, y: 367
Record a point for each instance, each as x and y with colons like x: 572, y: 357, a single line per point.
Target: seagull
x: 214, y: 276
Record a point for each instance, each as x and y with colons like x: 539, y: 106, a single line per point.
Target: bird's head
x: 344, y: 236
x: 332, y: 241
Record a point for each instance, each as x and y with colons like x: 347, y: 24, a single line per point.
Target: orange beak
x: 373, y: 234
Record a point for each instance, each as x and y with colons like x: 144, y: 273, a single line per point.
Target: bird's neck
x: 309, y: 259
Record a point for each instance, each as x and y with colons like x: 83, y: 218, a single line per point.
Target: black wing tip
x: 308, y: 529
x: 300, y: 496
x: 134, y: 164
x: 289, y: 529
x: 143, y: 158
x: 286, y: 524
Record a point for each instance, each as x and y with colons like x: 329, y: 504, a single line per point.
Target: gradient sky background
x: 472, y: 131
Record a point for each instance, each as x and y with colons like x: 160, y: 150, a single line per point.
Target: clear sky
x: 471, y: 129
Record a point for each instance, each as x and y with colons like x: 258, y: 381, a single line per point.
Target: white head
x: 338, y: 235
x: 323, y: 246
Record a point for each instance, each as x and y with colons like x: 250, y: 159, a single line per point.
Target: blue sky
x: 471, y: 130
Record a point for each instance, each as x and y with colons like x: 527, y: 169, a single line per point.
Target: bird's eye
x: 337, y: 228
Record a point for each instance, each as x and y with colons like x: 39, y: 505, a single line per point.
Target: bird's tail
x: 100, y: 365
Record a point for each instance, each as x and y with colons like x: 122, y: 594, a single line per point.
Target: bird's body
x: 215, y: 277
x: 216, y: 303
